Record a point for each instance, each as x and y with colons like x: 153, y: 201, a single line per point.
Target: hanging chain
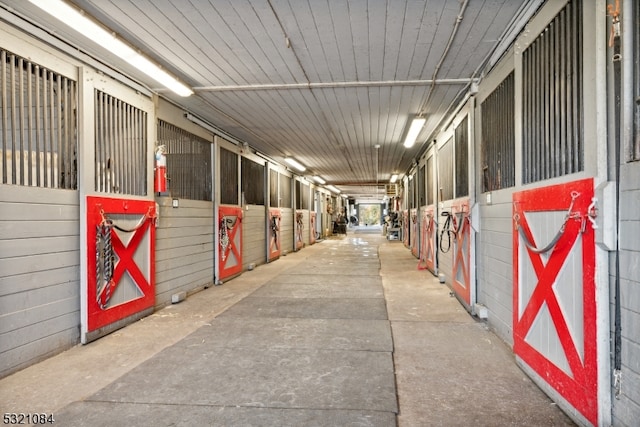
x: 569, y: 215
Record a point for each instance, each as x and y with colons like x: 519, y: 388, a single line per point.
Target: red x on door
x: 554, y: 304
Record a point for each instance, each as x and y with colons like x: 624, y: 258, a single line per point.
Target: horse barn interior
x: 320, y: 212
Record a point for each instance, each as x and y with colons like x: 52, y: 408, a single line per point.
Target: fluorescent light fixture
x: 414, y: 130
x: 394, y: 178
x: 76, y: 19
x: 319, y: 180
x: 332, y: 188
x: 294, y: 163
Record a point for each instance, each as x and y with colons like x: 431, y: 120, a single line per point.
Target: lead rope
x: 104, y: 263
x: 224, y: 238
x: 614, y: 41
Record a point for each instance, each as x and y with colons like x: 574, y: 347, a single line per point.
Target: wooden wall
x: 184, y: 248
x: 39, y: 274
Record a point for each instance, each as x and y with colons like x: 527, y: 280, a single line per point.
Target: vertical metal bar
x: 561, y: 125
x: 52, y: 131
x: 5, y: 112
x: 570, y: 146
x: 21, y: 118
x: 38, y: 127
x: 59, y: 124
x: 29, y: 112
x: 14, y: 124
x: 126, y: 144
x: 578, y: 32
x: 554, y: 82
x: 108, y: 131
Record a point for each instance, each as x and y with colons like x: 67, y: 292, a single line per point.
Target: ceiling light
x: 319, y: 180
x: 414, y: 130
x: 296, y: 164
x: 394, y: 178
x: 76, y: 19
x: 332, y: 188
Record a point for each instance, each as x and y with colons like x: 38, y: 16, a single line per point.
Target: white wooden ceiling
x: 324, y: 81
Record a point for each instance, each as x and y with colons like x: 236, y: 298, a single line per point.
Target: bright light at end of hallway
x: 76, y: 19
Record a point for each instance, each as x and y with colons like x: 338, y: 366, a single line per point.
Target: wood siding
x: 286, y: 229
x: 184, y: 248
x: 626, y: 409
x: 254, y: 237
x: 39, y: 274
x: 494, y: 268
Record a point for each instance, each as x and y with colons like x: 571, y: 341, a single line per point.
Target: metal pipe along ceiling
x: 330, y: 85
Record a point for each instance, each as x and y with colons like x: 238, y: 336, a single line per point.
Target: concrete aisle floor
x: 345, y: 332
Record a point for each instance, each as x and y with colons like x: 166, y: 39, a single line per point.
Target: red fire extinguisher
x: 161, y: 170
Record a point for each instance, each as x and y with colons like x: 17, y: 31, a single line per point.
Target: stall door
x: 405, y: 228
x: 299, y: 230
x: 460, y: 222
x: 428, y: 239
x: 554, y: 304
x: 312, y: 227
x: 229, y: 241
x: 275, y: 218
x: 121, y: 259
x: 414, y: 237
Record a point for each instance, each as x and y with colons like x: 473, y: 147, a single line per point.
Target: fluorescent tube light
x: 332, y: 188
x: 414, y: 130
x: 75, y: 19
x: 394, y: 178
x: 294, y: 163
x: 319, y: 180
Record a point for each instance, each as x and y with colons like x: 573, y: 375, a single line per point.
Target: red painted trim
x: 96, y: 316
x: 579, y: 387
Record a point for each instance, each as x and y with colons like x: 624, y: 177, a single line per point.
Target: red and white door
x: 120, y: 261
x: 275, y: 219
x: 405, y: 228
x: 414, y: 236
x: 312, y: 227
x: 554, y: 298
x: 229, y: 227
x: 428, y: 239
x: 461, y: 224
x: 299, y: 230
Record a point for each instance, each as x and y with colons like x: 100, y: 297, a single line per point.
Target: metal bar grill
x: 498, y: 137
x: 38, y: 125
x: 462, y: 158
x: 430, y: 178
x: 273, y: 189
x: 421, y: 186
x: 120, y: 138
x: 552, y: 87
x: 253, y: 182
x: 285, y: 191
x: 228, y: 177
x: 445, y: 162
x: 188, y: 162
